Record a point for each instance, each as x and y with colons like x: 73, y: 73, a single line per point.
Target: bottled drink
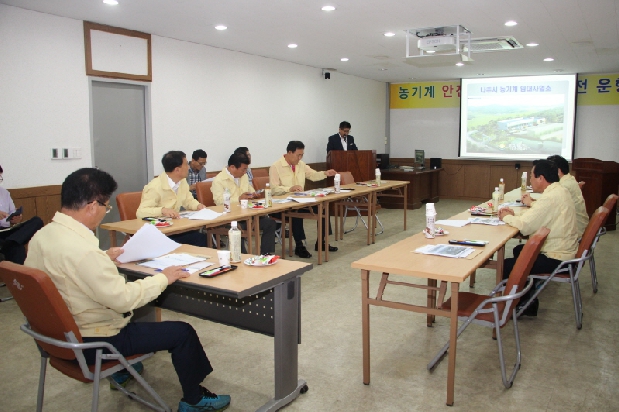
x: 523, y: 184
x: 268, y: 199
x: 336, y: 182
x: 234, y: 239
x: 502, y: 189
x: 430, y: 219
x: 377, y: 172
x: 226, y: 201
x: 496, y: 199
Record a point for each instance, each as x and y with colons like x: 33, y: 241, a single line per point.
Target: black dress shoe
x: 331, y: 248
x: 302, y: 252
x: 531, y: 310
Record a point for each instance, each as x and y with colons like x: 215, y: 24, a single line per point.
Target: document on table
x: 494, y: 221
x: 278, y: 201
x: 450, y: 251
x: 204, y: 214
x: 303, y: 199
x: 454, y: 223
x: 147, y: 243
x: 173, y: 259
x: 511, y: 204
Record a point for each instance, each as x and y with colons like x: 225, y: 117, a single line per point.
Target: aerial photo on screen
x: 516, y: 125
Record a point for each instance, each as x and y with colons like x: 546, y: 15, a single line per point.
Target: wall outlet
x: 55, y: 153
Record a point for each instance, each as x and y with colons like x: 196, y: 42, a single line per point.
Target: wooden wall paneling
x: 47, y: 206
x: 477, y: 181
x: 451, y: 181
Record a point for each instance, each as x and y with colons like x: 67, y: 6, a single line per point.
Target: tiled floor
x: 563, y: 369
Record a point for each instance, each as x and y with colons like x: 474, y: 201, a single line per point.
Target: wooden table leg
x: 327, y: 225
x: 370, y: 201
x: 431, y: 301
x: 453, y: 340
x: 320, y: 239
x: 405, y: 205
x: 257, y: 239
x: 337, y: 222
x: 365, y: 322
x: 250, y: 234
x: 112, y: 238
x: 500, y: 258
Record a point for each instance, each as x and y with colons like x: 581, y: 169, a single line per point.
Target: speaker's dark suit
x: 335, y: 143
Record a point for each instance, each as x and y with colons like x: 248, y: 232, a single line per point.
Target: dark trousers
x: 13, y: 242
x: 542, y: 265
x: 193, y: 237
x: 178, y: 338
x: 267, y: 240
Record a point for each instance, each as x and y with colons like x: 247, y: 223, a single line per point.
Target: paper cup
x: 224, y: 257
x: 244, y: 203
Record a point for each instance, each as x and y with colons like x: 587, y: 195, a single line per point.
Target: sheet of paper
x: 277, y: 201
x: 453, y: 223
x: 494, y: 221
x: 173, y: 259
x: 303, y: 199
x: 451, y: 251
x: 198, y: 266
x: 204, y: 214
x: 147, y: 243
x: 346, y: 190
x: 511, y: 204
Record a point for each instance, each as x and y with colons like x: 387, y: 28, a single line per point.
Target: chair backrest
x: 41, y: 303
x: 346, y: 178
x: 610, y: 203
x: 523, y: 265
x: 260, y: 172
x: 203, y: 191
x: 211, y: 174
x: 128, y: 204
x: 260, y: 182
x: 581, y: 184
x: 595, y: 223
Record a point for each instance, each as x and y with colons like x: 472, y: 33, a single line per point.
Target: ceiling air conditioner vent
x: 488, y: 44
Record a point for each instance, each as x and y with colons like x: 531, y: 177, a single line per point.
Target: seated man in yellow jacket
x: 555, y: 210
x: 288, y: 174
x: 168, y: 192
x: 234, y: 178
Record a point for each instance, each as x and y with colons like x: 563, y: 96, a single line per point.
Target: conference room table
x: 252, y: 215
x: 401, y: 259
x: 266, y: 300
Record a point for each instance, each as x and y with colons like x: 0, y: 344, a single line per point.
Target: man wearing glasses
x: 14, y: 233
x: 197, y: 171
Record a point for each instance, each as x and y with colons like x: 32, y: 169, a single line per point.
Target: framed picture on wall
x: 420, y: 157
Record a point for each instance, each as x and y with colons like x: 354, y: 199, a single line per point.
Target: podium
x: 361, y: 163
x: 601, y: 179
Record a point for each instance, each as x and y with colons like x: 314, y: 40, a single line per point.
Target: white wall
x: 201, y: 97
x: 437, y: 132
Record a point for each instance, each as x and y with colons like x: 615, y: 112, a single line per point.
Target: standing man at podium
x: 342, y: 140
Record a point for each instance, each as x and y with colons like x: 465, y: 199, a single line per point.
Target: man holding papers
x: 555, y: 210
x: 100, y: 300
x: 165, y: 195
x: 288, y: 174
x: 234, y: 178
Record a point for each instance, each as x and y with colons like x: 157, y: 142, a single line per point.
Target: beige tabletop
x: 244, y: 281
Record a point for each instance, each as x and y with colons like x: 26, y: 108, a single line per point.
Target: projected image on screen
x: 517, y: 117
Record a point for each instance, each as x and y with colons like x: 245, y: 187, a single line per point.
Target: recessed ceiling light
x: 221, y: 27
x: 292, y: 46
x: 549, y: 59
x: 328, y: 8
x: 382, y: 69
x: 510, y: 23
x: 559, y: 71
x: 111, y: 2
x: 459, y: 64
x: 532, y: 44
x: 389, y: 34
x: 344, y: 59
x: 412, y: 78
x: 430, y: 51
x: 480, y: 74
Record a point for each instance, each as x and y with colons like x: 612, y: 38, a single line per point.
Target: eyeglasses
x: 107, y: 207
x: 202, y: 163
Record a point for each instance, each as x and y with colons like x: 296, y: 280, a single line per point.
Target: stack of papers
x: 278, y: 201
x: 148, y: 242
x: 493, y: 221
x: 173, y: 259
x: 303, y: 199
x: 454, y: 223
x: 204, y: 214
x: 446, y: 250
x: 511, y: 204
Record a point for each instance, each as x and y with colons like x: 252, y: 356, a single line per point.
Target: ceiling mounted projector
x: 437, y: 43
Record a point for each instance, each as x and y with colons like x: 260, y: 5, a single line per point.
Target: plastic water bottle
x: 377, y: 173
x: 234, y: 239
x: 430, y: 219
x: 523, y: 184
x: 336, y: 182
x: 502, y: 189
x: 268, y: 199
x: 226, y: 201
x: 496, y: 199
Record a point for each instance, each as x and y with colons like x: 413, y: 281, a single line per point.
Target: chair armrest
x: 505, y: 298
